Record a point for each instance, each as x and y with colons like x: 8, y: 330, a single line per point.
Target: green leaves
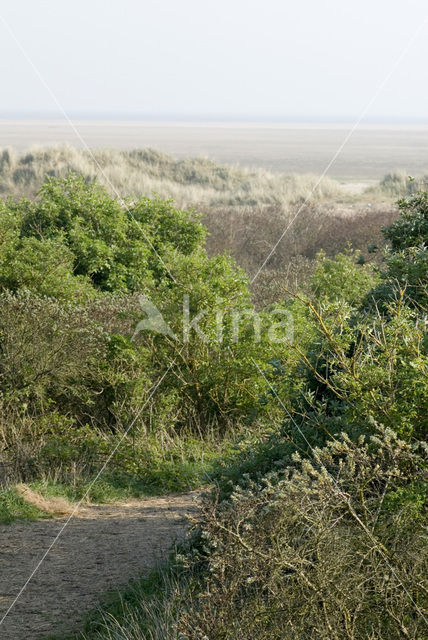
x: 343, y: 278
x: 114, y: 246
x: 43, y: 266
x: 411, y: 228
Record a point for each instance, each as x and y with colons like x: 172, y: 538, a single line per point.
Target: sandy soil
x: 100, y: 549
x: 356, y: 188
x: 371, y: 152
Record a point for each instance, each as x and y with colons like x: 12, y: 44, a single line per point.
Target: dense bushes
x: 245, y: 211
x: 360, y: 358
x: 317, y: 530
x: 314, y: 526
x: 323, y: 534
x: 407, y: 259
x: 334, y: 549
x: 75, y: 228
x: 76, y: 270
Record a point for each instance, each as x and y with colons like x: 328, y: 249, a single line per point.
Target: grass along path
x: 101, y: 548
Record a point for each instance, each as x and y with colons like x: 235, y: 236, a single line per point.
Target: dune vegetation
x: 310, y: 431
x: 142, y: 172
x: 315, y: 526
x: 235, y: 202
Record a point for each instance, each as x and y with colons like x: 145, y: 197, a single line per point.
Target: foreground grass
x: 14, y: 507
x: 182, y: 466
x: 172, y: 477
x: 192, y: 463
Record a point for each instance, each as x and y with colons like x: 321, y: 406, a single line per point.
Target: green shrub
x: 342, y: 278
x: 407, y: 256
x: 353, y: 364
x: 334, y: 549
x: 315, y: 528
x: 411, y: 228
x: 44, y: 267
x: 48, y: 349
x: 118, y: 246
x: 77, y: 245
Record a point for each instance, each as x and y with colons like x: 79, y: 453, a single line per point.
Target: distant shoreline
x: 218, y: 124
x: 372, y: 151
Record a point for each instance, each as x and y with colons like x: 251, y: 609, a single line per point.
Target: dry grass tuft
x: 52, y: 505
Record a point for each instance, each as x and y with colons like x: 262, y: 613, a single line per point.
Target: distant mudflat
x: 371, y: 152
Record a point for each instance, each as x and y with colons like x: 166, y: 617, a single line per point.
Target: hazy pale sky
x: 260, y: 59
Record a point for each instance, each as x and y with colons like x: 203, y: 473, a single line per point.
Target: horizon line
x: 138, y: 116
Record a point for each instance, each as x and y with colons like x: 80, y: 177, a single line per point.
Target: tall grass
x: 398, y: 184
x: 142, y: 172
x: 149, y: 609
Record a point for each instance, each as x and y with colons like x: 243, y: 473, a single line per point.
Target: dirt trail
x: 102, y: 547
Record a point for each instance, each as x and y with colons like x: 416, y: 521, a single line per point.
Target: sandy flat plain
x: 372, y: 150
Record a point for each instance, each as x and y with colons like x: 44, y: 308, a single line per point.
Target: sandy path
x: 101, y: 548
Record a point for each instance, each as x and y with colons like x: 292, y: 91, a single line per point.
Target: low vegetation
x: 316, y: 528
x: 312, y: 436
x: 236, y: 204
x: 14, y: 507
x: 142, y: 172
x: 398, y: 185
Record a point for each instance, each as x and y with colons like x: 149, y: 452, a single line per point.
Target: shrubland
x: 245, y: 211
x: 316, y: 528
x: 77, y: 268
x: 314, y: 443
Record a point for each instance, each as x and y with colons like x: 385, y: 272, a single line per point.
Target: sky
x: 280, y: 60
